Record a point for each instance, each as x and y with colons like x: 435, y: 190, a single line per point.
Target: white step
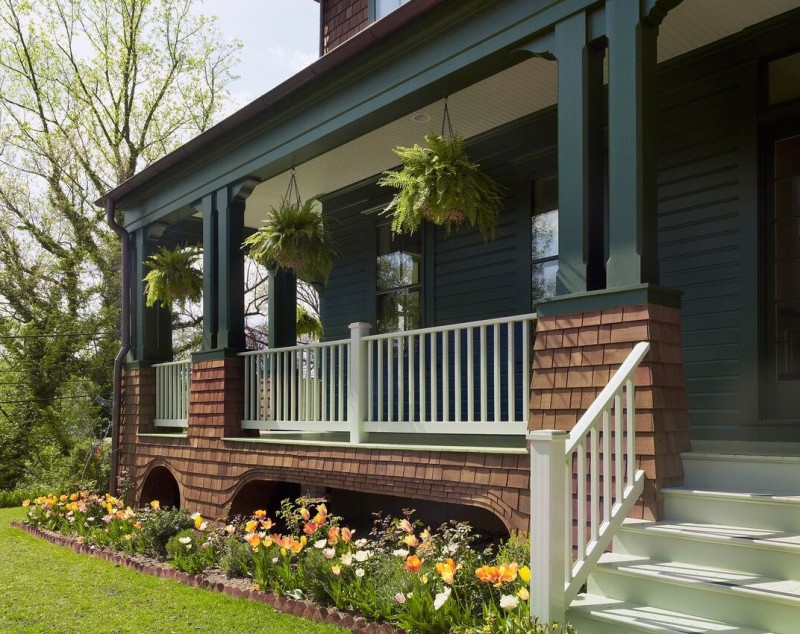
x: 592, y: 614
x: 728, y: 596
x: 773, y: 553
x: 743, y: 466
x: 753, y: 510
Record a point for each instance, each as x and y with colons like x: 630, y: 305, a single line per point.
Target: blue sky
x: 280, y: 37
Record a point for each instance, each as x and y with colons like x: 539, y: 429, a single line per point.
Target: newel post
x: 357, y: 381
x: 548, y: 524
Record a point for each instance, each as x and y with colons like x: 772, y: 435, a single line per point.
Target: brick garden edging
x: 287, y: 605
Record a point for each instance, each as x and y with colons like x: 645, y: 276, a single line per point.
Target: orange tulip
x: 413, y: 563
x: 447, y: 570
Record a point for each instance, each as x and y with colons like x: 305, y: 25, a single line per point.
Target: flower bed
x: 400, y: 575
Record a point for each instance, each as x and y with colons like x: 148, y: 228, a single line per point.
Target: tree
x: 91, y: 91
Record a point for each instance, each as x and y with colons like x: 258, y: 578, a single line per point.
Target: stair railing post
x: 357, y: 381
x: 548, y: 524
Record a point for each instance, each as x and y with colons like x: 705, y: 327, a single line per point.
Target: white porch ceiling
x: 518, y: 91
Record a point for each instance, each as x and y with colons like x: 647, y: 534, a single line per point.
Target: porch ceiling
x: 520, y: 90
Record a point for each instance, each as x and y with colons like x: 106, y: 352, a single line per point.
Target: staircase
x: 726, y: 558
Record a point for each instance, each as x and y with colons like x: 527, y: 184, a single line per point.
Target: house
x: 650, y: 156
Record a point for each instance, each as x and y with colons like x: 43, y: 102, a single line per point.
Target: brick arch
x: 156, y: 468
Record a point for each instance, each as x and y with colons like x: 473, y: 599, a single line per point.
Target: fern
x: 294, y: 237
x: 173, y: 277
x: 308, y: 324
x: 441, y: 184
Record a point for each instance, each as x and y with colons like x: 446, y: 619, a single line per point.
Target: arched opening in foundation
x: 358, y: 509
x: 160, y: 485
x: 262, y: 495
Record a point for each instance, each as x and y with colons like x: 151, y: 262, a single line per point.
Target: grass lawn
x: 48, y: 588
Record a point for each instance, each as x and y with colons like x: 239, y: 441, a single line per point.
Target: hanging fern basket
x: 439, y: 183
x: 294, y: 237
x: 174, y: 277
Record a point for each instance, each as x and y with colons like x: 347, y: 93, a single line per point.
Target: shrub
x: 237, y: 559
x: 16, y: 497
x: 158, y: 526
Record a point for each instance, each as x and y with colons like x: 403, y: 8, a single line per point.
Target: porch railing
x: 297, y: 388
x: 172, y: 393
x: 606, y: 434
x: 465, y: 378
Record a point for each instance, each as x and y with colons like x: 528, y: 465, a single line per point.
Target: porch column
x: 152, y: 326
x: 633, y: 257
x: 216, y: 400
x: 580, y: 157
x: 223, y: 269
x: 151, y: 332
x: 282, y: 308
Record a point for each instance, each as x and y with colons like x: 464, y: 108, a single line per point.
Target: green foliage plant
x: 439, y: 183
x: 191, y: 551
x: 236, y: 560
x: 159, y: 526
x: 294, y: 237
x: 174, y: 277
x: 308, y: 325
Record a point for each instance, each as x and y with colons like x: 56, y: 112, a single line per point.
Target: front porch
x: 429, y: 386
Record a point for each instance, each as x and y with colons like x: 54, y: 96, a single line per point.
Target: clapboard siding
x: 349, y: 295
x: 700, y: 217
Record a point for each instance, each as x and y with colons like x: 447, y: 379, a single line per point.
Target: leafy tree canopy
x: 91, y: 91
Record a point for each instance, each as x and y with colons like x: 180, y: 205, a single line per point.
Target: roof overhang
x: 338, y: 120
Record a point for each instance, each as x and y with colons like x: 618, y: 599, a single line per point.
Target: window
x: 382, y: 7
x: 544, y: 238
x: 399, y: 273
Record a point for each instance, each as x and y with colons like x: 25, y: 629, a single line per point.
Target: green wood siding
x: 700, y: 209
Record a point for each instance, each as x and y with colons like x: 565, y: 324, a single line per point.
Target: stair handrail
x: 557, y: 455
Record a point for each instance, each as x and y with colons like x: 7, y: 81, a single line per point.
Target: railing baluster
x: 484, y: 377
x: 412, y: 386
x: 422, y: 380
x: 496, y: 369
x: 630, y: 414
x: 512, y: 379
x: 380, y: 380
x: 434, y: 379
x: 606, y: 467
x: 457, y: 391
x: 581, y: 532
x: 618, y: 446
x: 445, y: 376
x: 390, y: 379
x: 593, y: 491
x: 248, y: 406
x: 370, y: 380
x: 470, y: 374
x: 401, y: 384
x: 526, y: 361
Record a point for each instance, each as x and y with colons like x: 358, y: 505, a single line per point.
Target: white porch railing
x: 470, y: 378
x: 297, y: 388
x: 464, y: 378
x: 606, y: 432
x: 172, y: 393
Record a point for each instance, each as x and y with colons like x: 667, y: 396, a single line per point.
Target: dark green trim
x: 610, y: 298
x: 214, y: 355
x: 152, y: 326
x: 138, y: 365
x: 282, y: 309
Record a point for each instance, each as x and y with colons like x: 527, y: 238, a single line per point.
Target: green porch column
x: 282, y: 309
x: 152, y: 327
x: 633, y: 257
x: 223, y: 268
x: 580, y: 157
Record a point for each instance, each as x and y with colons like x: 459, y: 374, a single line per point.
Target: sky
x: 280, y: 38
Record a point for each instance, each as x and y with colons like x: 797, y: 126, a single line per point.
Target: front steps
x: 726, y: 558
